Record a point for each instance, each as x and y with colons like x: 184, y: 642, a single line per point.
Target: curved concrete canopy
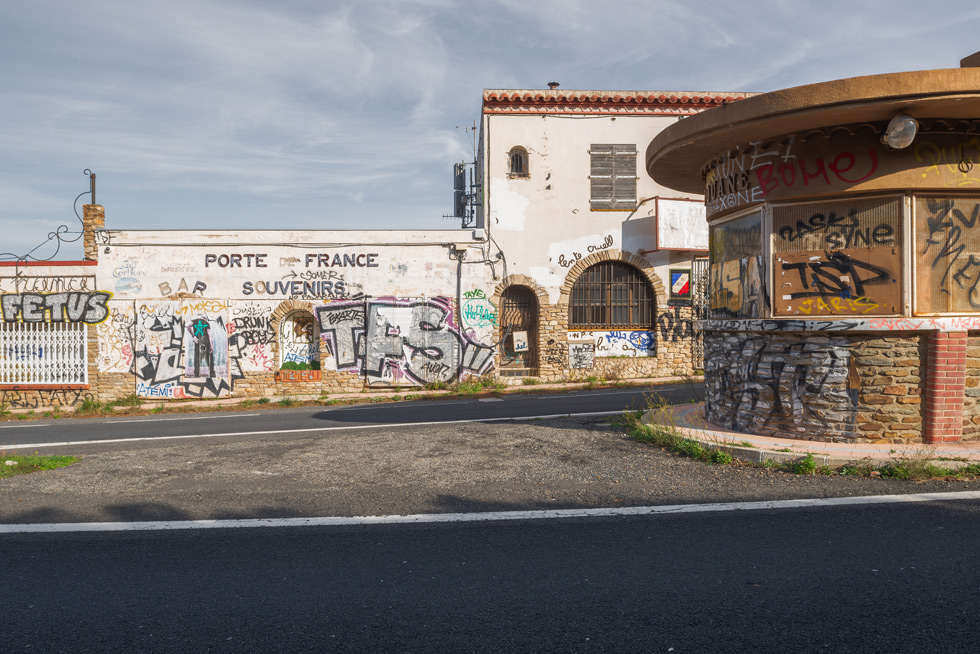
x: 676, y: 157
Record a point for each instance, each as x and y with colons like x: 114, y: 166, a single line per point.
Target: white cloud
x: 254, y: 113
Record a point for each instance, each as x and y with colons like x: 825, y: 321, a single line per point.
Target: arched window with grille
x: 517, y: 164
x: 611, y: 295
x: 519, y: 332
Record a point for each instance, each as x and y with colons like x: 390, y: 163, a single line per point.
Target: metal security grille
x: 699, y: 295
x: 613, y: 176
x: 611, y: 295
x: 43, y: 353
x: 519, y: 312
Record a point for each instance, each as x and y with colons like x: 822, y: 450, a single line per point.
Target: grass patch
x: 530, y: 381
x: 286, y: 402
x: 805, y: 466
x: 18, y: 464
x: 663, y: 432
x: 92, y: 407
x: 129, y: 400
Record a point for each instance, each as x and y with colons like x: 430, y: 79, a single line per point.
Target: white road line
x: 299, y: 431
x: 484, y: 517
x: 23, y: 426
x: 236, y: 415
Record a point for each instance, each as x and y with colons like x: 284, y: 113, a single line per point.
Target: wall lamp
x: 900, y: 132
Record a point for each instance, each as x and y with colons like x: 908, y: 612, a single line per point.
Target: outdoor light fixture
x: 900, y: 131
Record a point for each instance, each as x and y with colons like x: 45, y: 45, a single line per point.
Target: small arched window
x: 518, y: 162
x: 611, y: 295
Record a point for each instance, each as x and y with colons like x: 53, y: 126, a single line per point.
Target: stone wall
x: 815, y: 386
x: 971, y: 400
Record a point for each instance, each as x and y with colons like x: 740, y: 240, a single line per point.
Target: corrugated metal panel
x: 947, y: 262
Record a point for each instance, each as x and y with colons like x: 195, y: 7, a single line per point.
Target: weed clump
x: 663, y: 432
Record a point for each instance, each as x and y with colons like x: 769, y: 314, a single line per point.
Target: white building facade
x: 596, y: 260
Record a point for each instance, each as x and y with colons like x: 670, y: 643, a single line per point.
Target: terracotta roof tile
x: 530, y: 101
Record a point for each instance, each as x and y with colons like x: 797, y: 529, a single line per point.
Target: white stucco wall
x: 543, y: 223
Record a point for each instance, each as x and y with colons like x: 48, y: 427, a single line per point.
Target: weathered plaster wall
x: 213, y: 314
x: 543, y: 222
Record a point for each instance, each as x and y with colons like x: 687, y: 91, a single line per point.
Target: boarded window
x: 736, y: 288
x: 611, y: 295
x: 947, y: 246
x: 613, y: 177
x: 839, y: 258
x: 43, y: 353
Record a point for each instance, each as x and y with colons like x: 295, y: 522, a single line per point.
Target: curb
x: 376, y: 395
x: 823, y: 453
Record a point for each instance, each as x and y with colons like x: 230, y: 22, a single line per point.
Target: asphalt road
x: 857, y: 579
x: 888, y: 578
x: 318, y: 417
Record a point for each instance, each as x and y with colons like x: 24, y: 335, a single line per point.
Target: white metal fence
x: 43, y: 353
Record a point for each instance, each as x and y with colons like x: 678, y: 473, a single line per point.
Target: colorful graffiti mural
x: 392, y: 340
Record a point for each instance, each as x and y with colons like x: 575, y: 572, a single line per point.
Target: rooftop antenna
x: 464, y: 193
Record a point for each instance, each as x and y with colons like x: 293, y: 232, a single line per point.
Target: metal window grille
x: 611, y: 295
x: 518, y: 162
x: 519, y: 312
x: 699, y: 287
x: 613, y: 176
x: 43, y: 353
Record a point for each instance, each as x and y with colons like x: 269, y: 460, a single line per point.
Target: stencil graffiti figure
x: 201, y: 333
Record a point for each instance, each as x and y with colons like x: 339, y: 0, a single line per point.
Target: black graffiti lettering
x: 838, y: 276
x: 385, y: 339
x: 87, y: 307
x: 674, y: 327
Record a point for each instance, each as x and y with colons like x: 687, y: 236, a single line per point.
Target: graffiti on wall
x: 34, y: 399
x: 618, y: 343
x: 87, y: 307
x: 737, y: 288
x: 948, y: 266
x: 783, y: 382
x: 21, y: 283
x: 838, y: 258
x: 478, y: 311
x: 297, y: 340
x: 581, y: 355
x: 950, y: 164
x: 751, y: 173
x: 178, y: 356
x: 674, y: 326
x: 394, y: 341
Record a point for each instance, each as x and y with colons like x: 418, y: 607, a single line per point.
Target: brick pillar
x: 93, y: 218
x: 945, y: 387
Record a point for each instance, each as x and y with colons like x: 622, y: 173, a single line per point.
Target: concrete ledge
x: 689, y: 421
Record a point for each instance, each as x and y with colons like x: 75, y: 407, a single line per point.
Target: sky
x: 317, y: 114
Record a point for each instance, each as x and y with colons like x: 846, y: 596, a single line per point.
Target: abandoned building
x: 569, y: 262
x: 844, y: 255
